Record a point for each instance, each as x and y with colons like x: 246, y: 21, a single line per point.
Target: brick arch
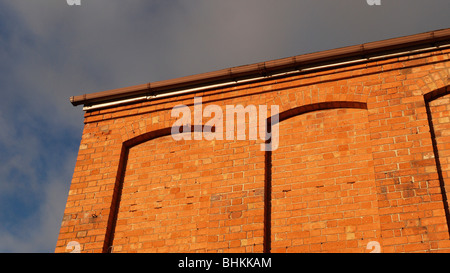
x: 135, y: 140
x: 287, y: 115
x: 403, y: 111
x: 139, y: 129
x: 230, y: 203
x: 437, y: 93
x: 438, y: 107
x: 321, y: 93
x: 434, y: 87
x: 434, y: 83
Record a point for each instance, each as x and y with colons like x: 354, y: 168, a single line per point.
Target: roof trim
x: 366, y: 50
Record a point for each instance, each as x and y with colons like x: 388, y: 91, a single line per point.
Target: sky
x: 50, y: 50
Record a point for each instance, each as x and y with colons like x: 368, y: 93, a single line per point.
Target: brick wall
x: 178, y: 198
x: 323, y: 188
x: 363, y: 156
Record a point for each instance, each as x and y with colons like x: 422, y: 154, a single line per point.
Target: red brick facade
x: 364, y: 152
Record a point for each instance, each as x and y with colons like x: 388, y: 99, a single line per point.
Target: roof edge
x: 365, y: 50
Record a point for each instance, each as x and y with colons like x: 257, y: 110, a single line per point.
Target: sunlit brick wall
x: 363, y: 157
x: 177, y: 197
x: 324, y: 192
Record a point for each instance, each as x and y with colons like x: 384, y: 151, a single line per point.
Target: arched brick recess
x: 174, y: 197
x: 324, y: 197
x: 438, y: 114
x: 314, y: 92
x: 410, y: 200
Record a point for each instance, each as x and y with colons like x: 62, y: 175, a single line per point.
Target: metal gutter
x: 280, y: 67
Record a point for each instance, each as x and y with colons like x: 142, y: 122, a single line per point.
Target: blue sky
x: 50, y: 51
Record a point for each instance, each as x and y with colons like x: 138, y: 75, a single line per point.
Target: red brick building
x: 362, y: 158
